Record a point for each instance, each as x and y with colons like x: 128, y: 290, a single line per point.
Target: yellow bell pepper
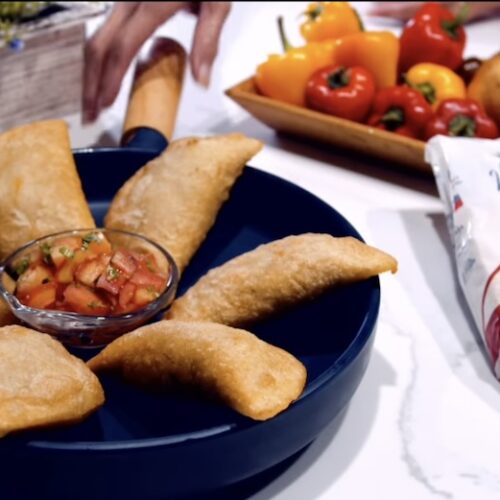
x: 328, y: 20
x: 436, y: 83
x: 376, y: 51
x: 284, y: 76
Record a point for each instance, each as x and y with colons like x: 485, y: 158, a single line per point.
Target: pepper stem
x: 338, y: 78
x: 360, y: 21
x: 284, y: 40
x: 393, y: 118
x: 427, y: 90
x: 462, y: 126
x: 315, y: 12
x: 451, y: 26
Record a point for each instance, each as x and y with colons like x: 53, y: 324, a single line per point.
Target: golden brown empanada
x: 251, y: 376
x: 277, y: 275
x: 175, y: 198
x: 41, y: 383
x: 40, y: 191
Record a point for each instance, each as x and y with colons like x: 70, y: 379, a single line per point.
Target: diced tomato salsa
x: 87, y: 276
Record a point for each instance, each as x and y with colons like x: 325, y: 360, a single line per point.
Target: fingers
x: 136, y: 30
x: 396, y: 10
x: 96, y: 54
x: 111, y: 51
x: 212, y: 16
x: 406, y: 10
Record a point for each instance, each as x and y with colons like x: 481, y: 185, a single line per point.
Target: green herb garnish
x: 93, y: 305
x: 88, y: 239
x: 150, y: 266
x: 152, y: 291
x: 47, y: 257
x: 67, y: 252
x: 22, y: 266
x: 112, y: 273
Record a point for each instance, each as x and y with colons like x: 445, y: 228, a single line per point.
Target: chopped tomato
x: 34, y: 257
x: 144, y: 294
x: 126, y: 294
x: 66, y: 273
x: 113, y: 303
x: 89, y: 271
x: 96, y: 243
x: 124, y: 262
x: 145, y: 277
x: 42, y: 296
x: 86, y: 275
x: 111, y: 281
x: 63, y: 249
x: 32, y: 278
x: 81, y: 256
x: 82, y: 299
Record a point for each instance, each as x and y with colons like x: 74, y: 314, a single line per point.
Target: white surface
x: 424, y: 421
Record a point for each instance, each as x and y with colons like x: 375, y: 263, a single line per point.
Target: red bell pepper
x: 461, y: 118
x: 402, y: 110
x: 433, y: 35
x: 340, y: 91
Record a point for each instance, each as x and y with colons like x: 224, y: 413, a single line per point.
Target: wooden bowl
x: 304, y: 122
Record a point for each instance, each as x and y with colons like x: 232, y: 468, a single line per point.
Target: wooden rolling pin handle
x: 156, y: 89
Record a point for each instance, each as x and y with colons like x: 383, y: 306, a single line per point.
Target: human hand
x: 398, y: 10
x: 406, y: 10
x: 110, y: 51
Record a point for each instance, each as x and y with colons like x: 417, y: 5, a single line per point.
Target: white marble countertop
x: 423, y: 423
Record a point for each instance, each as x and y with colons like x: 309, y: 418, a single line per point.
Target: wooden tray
x: 344, y: 133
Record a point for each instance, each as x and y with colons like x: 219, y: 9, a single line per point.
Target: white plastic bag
x: 467, y: 173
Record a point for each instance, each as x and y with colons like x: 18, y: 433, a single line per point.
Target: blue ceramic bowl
x: 152, y: 446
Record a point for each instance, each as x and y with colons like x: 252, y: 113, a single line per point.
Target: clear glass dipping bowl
x: 81, y: 330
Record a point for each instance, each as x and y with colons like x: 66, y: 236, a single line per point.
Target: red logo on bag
x: 492, y: 334
x: 492, y: 329
x: 457, y: 202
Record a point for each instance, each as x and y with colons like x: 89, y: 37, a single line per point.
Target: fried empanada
x: 175, y: 198
x: 277, y: 275
x: 41, y: 384
x: 40, y: 191
x: 251, y: 376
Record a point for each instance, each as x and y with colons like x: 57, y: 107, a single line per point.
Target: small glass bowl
x: 81, y: 330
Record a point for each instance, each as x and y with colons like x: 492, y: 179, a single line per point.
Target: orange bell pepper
x: 328, y: 20
x: 284, y: 76
x: 376, y: 51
